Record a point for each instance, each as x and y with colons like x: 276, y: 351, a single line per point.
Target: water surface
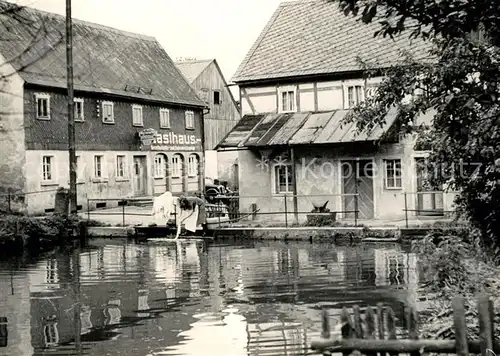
x: 190, y: 298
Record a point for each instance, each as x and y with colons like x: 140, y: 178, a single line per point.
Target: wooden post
x: 370, y: 327
x: 460, y: 326
x: 83, y: 233
x: 325, y: 324
x: 391, y: 327
x: 358, y: 330
x: 485, y: 310
x: 347, y: 328
x: 412, y: 325
x: 381, y: 324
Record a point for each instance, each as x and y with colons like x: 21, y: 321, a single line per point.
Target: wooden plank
x: 412, y: 326
x: 347, y: 327
x: 370, y: 327
x: 358, y: 330
x: 380, y: 324
x: 485, y: 315
x: 325, y: 324
x: 393, y: 346
x: 460, y: 326
x: 391, y: 326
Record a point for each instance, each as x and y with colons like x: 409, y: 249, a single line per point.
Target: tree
x: 460, y: 81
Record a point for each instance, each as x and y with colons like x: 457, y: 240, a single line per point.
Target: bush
x: 33, y: 230
x: 455, y: 264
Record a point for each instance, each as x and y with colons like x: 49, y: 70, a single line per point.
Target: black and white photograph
x: 249, y: 178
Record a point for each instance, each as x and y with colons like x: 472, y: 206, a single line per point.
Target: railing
x: 437, y: 208
x: 361, y: 334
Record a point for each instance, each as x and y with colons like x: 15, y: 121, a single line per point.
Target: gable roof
x: 105, y: 60
x: 192, y: 69
x: 311, y: 37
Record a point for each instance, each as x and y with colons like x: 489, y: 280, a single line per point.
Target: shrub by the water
x: 29, y: 231
x: 455, y: 264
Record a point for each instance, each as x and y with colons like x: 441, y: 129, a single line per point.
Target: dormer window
x: 108, y: 116
x: 287, y: 99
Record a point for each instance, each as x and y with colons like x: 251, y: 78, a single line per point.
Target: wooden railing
x: 360, y: 334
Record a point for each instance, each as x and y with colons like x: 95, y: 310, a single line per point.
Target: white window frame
x: 111, y: 104
x: 176, y: 166
x: 189, y: 120
x: 353, y: 84
x: 52, y: 171
x: 391, y: 163
x: 102, y: 163
x: 164, y: 113
x: 283, y: 90
x: 159, y: 166
x: 123, y: 169
x: 137, y: 118
x: 275, y: 178
x: 220, y: 96
x: 42, y: 96
x: 82, y: 117
x: 193, y: 165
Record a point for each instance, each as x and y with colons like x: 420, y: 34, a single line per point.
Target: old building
x: 207, y: 80
x: 297, y: 83
x: 126, y: 89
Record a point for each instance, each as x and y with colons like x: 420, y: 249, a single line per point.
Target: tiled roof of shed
x: 300, y: 129
x: 308, y: 37
x: 192, y: 69
x: 105, y: 60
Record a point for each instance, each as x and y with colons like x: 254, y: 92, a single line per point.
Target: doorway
x: 140, y: 175
x: 429, y: 201
x: 357, y: 178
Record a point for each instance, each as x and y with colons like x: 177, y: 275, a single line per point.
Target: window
x: 108, y: 116
x: 164, y: 118
x: 79, y: 110
x: 283, y: 178
x: 121, y: 166
x: 193, y: 166
x: 287, y: 100
x: 42, y: 106
x: 217, y: 100
x: 47, y: 168
x: 98, y: 169
x: 189, y: 120
x: 393, y: 174
x: 355, y: 95
x: 159, y: 166
x: 137, y: 115
x: 176, y: 166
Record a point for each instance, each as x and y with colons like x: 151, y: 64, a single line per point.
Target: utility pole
x: 71, y: 111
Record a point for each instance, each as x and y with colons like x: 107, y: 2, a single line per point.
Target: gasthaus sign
x: 169, y: 141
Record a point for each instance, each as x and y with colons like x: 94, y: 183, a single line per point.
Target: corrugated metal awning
x: 305, y: 128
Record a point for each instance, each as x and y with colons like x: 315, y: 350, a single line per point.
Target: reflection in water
x: 188, y: 298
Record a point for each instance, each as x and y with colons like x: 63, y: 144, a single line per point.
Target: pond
x: 193, y: 298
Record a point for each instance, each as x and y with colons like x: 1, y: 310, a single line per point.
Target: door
x: 357, y: 178
x: 429, y: 202
x: 140, y: 175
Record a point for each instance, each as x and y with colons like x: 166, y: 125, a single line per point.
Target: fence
x: 361, y: 335
x: 283, y: 210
